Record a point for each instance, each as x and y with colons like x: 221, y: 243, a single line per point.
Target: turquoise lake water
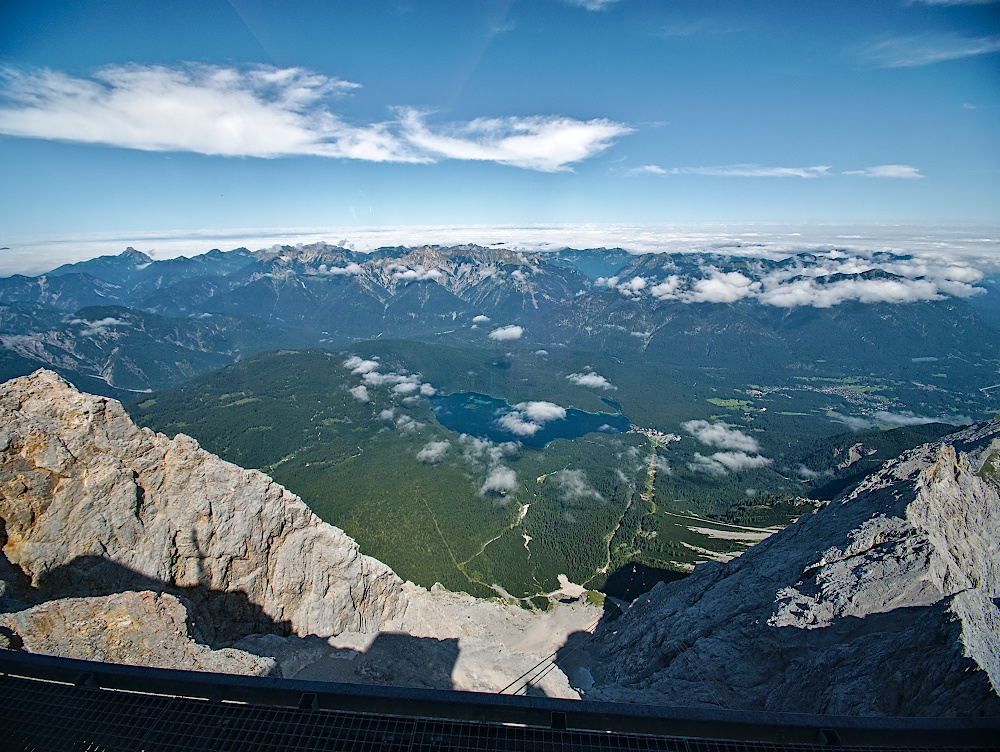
x: 479, y: 414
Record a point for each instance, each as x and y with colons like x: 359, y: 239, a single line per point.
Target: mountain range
x: 806, y: 313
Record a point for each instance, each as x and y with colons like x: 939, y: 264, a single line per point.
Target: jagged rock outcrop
x: 141, y: 629
x: 883, y: 602
x: 91, y: 504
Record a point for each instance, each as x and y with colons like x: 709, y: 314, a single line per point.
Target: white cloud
x: 480, y: 319
x: 820, y: 295
x: 406, y: 424
x: 517, y: 425
x: 723, y: 287
x: 349, y: 270
x: 476, y: 449
x: 667, y: 288
x: 359, y: 365
x: 269, y: 112
x: 634, y: 285
x: 548, y: 144
x: 753, y: 171
x: 573, y: 485
x: 260, y: 112
x: 406, y: 387
x: 418, y: 274
x: 94, y: 328
x: 927, y: 49
x: 498, y: 480
x: 908, y: 418
x: 527, y: 418
x: 720, y: 435
x: 722, y: 463
x: 507, y: 332
x: 854, y: 422
x: 806, y: 473
x: 541, y: 412
x: 736, y: 461
x: 592, y: 380
x: 906, y: 172
x: 387, y: 414
x: 433, y: 452
x: 360, y: 393
x: 703, y: 464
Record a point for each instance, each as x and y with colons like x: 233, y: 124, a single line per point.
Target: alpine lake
x: 479, y: 414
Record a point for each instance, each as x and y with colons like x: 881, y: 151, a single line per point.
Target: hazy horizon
x: 136, y: 122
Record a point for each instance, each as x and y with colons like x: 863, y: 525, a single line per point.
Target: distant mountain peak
x: 137, y: 257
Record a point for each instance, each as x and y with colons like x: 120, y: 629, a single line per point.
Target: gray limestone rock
x: 91, y: 504
x: 883, y: 602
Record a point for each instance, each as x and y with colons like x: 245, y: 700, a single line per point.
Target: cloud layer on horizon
x: 271, y: 112
x: 821, y: 279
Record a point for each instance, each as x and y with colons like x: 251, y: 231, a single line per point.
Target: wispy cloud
x: 269, y: 112
x: 720, y: 435
x: 573, y: 486
x: 906, y: 172
x: 650, y: 169
x: 927, y: 49
x: 548, y: 144
x: 592, y: 4
x: 753, y: 171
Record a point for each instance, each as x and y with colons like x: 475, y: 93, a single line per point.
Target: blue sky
x: 138, y: 117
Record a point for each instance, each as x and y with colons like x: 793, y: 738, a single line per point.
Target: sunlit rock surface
x: 92, y: 505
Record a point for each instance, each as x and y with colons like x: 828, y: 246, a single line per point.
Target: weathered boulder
x: 883, y: 602
x: 90, y: 504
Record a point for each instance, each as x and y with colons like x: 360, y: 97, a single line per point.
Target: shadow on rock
x: 392, y: 658
x: 215, y: 617
x: 633, y: 579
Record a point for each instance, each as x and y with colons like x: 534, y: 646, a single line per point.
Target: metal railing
x: 716, y: 729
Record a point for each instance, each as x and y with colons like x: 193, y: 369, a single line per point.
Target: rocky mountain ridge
x: 702, y: 310
x: 882, y: 602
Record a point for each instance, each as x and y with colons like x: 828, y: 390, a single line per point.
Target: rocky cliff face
x: 883, y: 602
x: 93, y: 505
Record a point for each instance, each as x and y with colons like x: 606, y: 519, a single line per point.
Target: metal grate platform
x: 40, y: 713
